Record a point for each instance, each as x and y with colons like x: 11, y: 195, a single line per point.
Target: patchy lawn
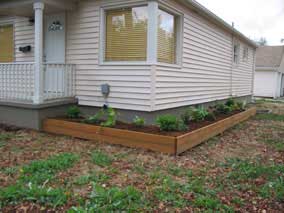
x: 239, y: 171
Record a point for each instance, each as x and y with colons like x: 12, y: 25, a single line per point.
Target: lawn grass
x: 241, y: 170
x: 270, y: 117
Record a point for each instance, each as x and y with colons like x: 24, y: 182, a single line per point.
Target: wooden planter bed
x: 161, y: 143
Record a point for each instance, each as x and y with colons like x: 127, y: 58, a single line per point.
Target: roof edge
x: 216, y: 18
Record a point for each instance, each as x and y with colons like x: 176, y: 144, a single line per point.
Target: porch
x: 17, y: 82
x: 47, y: 77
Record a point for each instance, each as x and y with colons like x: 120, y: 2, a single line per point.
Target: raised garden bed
x: 174, y: 143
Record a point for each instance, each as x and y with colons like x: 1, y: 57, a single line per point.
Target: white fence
x: 17, y: 81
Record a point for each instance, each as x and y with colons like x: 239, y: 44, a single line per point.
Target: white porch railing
x: 17, y: 82
x: 59, y: 81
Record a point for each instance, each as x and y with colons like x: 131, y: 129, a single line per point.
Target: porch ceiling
x: 25, y: 7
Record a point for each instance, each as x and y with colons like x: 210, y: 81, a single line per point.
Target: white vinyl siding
x: 242, y: 74
x: 130, y: 84
x: 23, y: 36
x: 204, y: 73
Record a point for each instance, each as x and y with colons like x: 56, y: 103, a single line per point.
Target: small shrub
x: 94, y: 119
x: 111, y: 118
x: 108, y: 113
x: 194, y: 114
x: 73, y: 112
x: 211, y: 116
x: 138, y: 121
x: 170, y: 123
x: 101, y: 159
x: 230, y: 102
x: 223, y: 109
x: 241, y: 105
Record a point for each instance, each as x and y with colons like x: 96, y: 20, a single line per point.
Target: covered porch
x: 46, y: 77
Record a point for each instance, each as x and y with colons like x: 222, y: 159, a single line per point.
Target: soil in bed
x: 152, y: 129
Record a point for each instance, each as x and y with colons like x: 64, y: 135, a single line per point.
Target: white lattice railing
x: 59, y: 81
x: 17, y: 81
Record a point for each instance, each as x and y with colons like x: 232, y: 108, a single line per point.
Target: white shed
x: 269, y: 75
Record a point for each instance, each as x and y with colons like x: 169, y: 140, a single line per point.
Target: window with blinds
x: 166, y: 37
x: 126, y: 34
x: 6, y: 44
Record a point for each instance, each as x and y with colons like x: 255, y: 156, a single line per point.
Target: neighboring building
x: 269, y: 75
x: 156, y: 56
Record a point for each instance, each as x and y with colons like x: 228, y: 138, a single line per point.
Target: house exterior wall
x: 130, y: 84
x: 23, y: 36
x: 266, y: 84
x: 206, y: 73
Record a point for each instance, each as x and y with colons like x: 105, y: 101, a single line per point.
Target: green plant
x: 109, y: 114
x: 223, y: 109
x: 73, y: 112
x: 94, y: 119
x: 100, y: 158
x: 111, y: 117
x: 230, y: 102
x: 211, y: 116
x: 194, y: 114
x: 170, y: 123
x: 241, y: 105
x: 138, y: 121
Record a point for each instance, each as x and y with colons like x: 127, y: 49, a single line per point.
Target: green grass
x: 5, y: 137
x: 93, y: 177
x: 10, y: 171
x: 46, y: 196
x: 100, y: 158
x: 243, y: 173
x: 32, y: 184
x: 270, y: 117
x: 277, y: 144
x: 112, y: 199
x: 41, y: 171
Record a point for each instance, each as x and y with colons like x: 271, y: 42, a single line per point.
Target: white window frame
x: 152, y: 34
x: 245, y: 53
x: 238, y: 53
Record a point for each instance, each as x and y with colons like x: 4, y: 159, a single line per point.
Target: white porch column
x: 38, y: 57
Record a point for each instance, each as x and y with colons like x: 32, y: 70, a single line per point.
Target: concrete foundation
x: 31, y: 116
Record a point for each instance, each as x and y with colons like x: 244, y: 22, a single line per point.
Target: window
x: 6, y: 44
x: 141, y: 35
x: 126, y: 34
x: 166, y: 37
x: 236, y: 52
x: 245, y: 53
